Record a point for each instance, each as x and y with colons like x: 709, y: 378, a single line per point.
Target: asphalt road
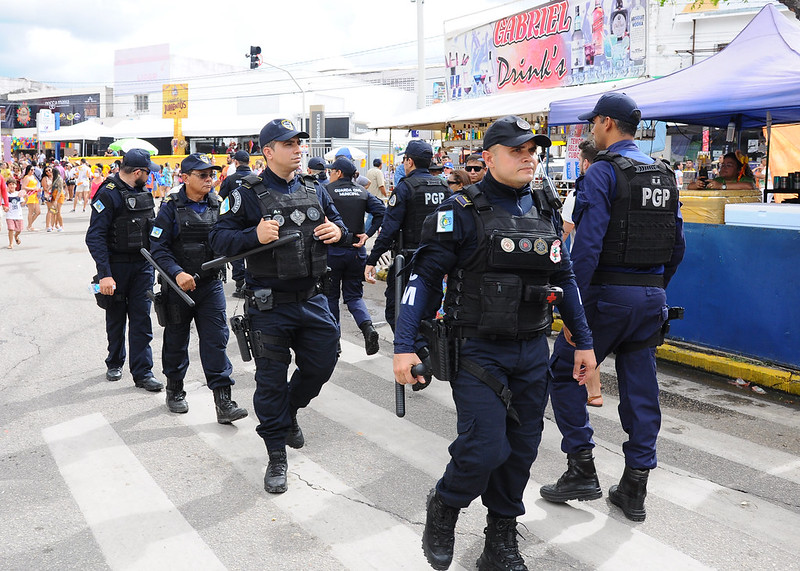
x: 98, y: 475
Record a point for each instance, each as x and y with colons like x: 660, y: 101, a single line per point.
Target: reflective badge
x: 507, y: 244
x: 555, y: 252
x: 525, y: 245
x: 297, y: 217
x: 132, y: 202
x: 312, y: 213
x: 156, y: 232
x: 540, y: 246
x: 393, y: 200
x: 523, y: 124
x: 237, y: 201
x: 286, y: 124
x: 99, y: 206
x: 225, y: 206
x: 444, y: 222
x: 279, y: 219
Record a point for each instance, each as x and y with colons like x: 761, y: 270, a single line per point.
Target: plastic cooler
x: 785, y: 216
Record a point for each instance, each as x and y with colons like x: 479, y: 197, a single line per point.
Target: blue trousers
x: 492, y: 455
x: 134, y: 280
x: 616, y: 314
x: 346, y: 279
x: 212, y: 332
x: 308, y: 328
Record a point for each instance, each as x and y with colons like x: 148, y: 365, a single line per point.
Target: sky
x: 71, y: 43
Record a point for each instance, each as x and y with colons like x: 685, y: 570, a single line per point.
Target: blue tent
x: 758, y: 72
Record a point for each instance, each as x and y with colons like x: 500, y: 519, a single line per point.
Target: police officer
x: 415, y: 196
x: 241, y: 159
x: 628, y: 245
x: 179, y: 244
x: 283, y: 292
x: 122, y: 212
x: 317, y: 168
x: 347, y: 263
x: 498, y: 243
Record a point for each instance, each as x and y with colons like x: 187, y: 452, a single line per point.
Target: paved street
x: 98, y: 475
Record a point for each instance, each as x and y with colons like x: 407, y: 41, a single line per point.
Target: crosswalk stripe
x: 134, y: 522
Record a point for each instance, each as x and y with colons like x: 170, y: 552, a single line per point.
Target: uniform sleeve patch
x: 237, y: 201
x: 225, y: 206
x: 99, y: 206
x: 393, y: 200
x: 463, y: 200
x: 156, y: 232
x: 444, y: 221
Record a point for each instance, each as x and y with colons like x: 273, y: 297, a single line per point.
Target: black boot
x: 579, y: 482
x: 370, y: 337
x: 439, y: 535
x: 227, y: 410
x: 630, y: 493
x: 176, y: 397
x: 501, y: 551
x: 275, y: 477
x: 239, y: 291
x: 295, y: 438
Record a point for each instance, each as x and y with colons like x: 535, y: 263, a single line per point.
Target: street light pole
x: 303, y: 91
x: 420, y: 55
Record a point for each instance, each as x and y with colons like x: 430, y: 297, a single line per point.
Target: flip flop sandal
x: 596, y: 400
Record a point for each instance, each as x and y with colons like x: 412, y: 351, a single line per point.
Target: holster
x: 443, y: 347
x: 160, y: 307
x: 105, y: 301
x: 658, y: 337
x: 240, y: 326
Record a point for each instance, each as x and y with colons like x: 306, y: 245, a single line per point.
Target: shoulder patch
x: 444, y: 221
x: 393, y: 200
x: 237, y: 201
x: 99, y: 206
x: 111, y: 186
x: 225, y: 206
x: 167, y: 198
x: 156, y: 232
x: 463, y: 200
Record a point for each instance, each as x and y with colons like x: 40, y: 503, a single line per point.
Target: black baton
x: 399, y: 389
x: 170, y: 282
x: 216, y: 262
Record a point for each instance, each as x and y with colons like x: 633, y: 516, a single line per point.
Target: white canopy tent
x: 88, y: 130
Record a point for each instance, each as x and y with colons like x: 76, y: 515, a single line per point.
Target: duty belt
x: 627, y: 279
x: 279, y: 297
x: 473, y: 333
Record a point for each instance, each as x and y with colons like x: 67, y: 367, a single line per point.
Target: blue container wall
x: 741, y: 290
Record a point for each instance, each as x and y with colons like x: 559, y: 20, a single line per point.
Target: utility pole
x: 420, y: 55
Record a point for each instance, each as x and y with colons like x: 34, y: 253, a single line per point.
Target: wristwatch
x: 724, y: 185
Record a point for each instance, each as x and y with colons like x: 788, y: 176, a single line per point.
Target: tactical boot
x: 275, y: 477
x: 114, y: 374
x: 629, y: 494
x: 579, y: 482
x: 295, y: 438
x: 149, y: 383
x: 501, y: 551
x: 227, y: 410
x: 176, y: 397
x: 439, y: 535
x: 370, y: 337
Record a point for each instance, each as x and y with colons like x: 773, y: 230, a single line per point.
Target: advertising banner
x: 175, y: 101
x: 70, y: 109
x: 568, y: 42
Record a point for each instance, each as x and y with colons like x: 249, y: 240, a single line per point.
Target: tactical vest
x: 502, y: 289
x: 641, y: 231
x: 427, y: 194
x: 297, y: 212
x: 351, y: 202
x: 131, y: 226
x: 192, y: 248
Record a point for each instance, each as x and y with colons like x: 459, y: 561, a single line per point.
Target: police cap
x: 512, y: 131
x: 617, y: 106
x: 417, y: 149
x: 317, y: 164
x: 198, y: 162
x: 345, y: 165
x: 139, y: 159
x: 241, y: 156
x: 279, y: 130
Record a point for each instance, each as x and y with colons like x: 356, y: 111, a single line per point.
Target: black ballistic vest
x: 501, y: 289
x: 297, y: 212
x: 192, y: 248
x: 641, y: 232
x: 427, y: 194
x: 350, y: 200
x: 130, y: 229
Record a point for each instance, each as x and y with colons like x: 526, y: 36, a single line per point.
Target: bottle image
x: 638, y: 31
x: 597, y: 27
x: 577, y: 55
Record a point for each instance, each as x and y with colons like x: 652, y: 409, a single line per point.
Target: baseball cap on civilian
x: 512, y: 131
x: 345, y: 165
x: 198, y: 162
x: 139, y: 159
x: 279, y: 130
x: 317, y: 164
x: 617, y: 106
x: 417, y: 149
x: 448, y: 165
x: 242, y: 156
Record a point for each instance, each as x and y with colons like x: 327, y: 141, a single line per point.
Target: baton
x: 216, y: 262
x: 399, y: 390
x: 170, y: 282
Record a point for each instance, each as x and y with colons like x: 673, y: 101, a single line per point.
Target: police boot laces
x: 444, y: 523
x: 504, y: 544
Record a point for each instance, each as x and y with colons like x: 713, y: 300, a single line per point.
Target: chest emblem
x: 297, y: 217
x: 313, y: 214
x: 540, y: 246
x: 507, y: 244
x: 279, y: 219
x: 555, y: 252
x: 525, y: 245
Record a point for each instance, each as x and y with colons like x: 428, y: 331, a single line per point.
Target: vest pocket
x: 292, y: 261
x: 500, y: 299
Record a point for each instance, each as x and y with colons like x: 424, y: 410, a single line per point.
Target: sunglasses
x: 203, y: 175
x: 473, y: 169
x: 453, y: 182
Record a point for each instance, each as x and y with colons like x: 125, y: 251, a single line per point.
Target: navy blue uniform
x: 209, y: 310
x: 134, y: 278
x: 306, y: 326
x: 617, y: 314
x: 492, y: 456
x: 347, y: 264
x: 225, y: 188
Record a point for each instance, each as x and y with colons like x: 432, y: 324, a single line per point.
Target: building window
x: 141, y: 103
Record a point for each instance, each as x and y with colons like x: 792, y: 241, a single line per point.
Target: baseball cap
x: 417, y: 149
x: 344, y: 152
x: 345, y: 165
x: 317, y: 164
x: 376, y: 162
x: 512, y: 131
x: 436, y: 167
x: 198, y: 162
x: 242, y: 156
x: 448, y: 165
x: 617, y: 106
x: 279, y: 130
x: 139, y: 159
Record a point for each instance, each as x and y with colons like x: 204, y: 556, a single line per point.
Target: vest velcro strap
x: 499, y: 388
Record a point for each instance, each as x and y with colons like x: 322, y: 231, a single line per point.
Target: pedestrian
x: 242, y: 161
x: 179, y: 244
x: 47, y: 195
x: 83, y: 178
x: 122, y: 212
x: 377, y: 183
x: 475, y: 167
x: 59, y: 195
x: 499, y: 244
x: 347, y: 263
x: 283, y: 287
x: 318, y: 169
x: 30, y: 185
x: 628, y: 246
x: 13, y: 210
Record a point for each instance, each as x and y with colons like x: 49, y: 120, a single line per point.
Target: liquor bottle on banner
x: 597, y: 27
x: 577, y: 53
x: 638, y: 31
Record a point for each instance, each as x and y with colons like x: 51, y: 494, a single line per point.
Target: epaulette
x: 111, y: 186
x: 167, y: 198
x: 251, y: 180
x: 463, y: 200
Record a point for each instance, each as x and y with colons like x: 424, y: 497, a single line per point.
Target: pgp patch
x: 444, y: 221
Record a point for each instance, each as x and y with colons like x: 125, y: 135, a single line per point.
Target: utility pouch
x: 160, y: 307
x: 319, y: 258
x: 524, y: 251
x: 441, y: 345
x: 292, y: 261
x: 543, y: 294
x: 105, y: 301
x: 263, y: 299
x: 501, y: 295
x: 240, y: 326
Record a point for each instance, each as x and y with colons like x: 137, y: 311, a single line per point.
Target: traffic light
x: 255, y: 59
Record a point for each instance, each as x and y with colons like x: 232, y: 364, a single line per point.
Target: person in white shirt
x: 82, y: 180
